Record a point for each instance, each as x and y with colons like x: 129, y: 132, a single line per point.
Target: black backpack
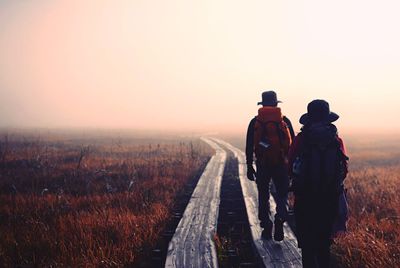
x: 319, y: 169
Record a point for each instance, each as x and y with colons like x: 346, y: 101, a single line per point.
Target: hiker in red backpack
x: 318, y: 164
x: 269, y: 136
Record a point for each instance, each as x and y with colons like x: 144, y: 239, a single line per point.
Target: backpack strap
x: 290, y: 127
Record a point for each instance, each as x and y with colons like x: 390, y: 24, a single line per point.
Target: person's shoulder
x: 286, y: 120
x: 301, y: 133
x: 252, y: 122
x: 300, y: 136
x: 340, y: 140
x: 285, y: 117
x: 342, y: 146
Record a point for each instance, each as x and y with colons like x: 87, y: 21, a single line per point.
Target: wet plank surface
x: 192, y: 244
x: 272, y: 254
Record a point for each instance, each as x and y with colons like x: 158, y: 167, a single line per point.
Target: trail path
x: 272, y: 254
x: 192, y: 244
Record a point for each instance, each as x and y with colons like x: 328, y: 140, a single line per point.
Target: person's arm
x: 294, y: 151
x: 250, y: 142
x: 289, y: 124
x: 344, y: 151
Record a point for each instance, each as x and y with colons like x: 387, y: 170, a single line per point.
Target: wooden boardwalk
x: 273, y: 254
x: 192, y: 244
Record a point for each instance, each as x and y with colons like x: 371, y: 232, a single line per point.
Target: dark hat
x: 269, y: 99
x: 318, y: 111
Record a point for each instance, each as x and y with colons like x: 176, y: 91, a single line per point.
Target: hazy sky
x: 196, y: 65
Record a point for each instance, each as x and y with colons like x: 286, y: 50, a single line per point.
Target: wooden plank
x: 272, y: 253
x: 192, y: 244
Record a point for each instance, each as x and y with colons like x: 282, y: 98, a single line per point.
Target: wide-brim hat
x: 269, y: 98
x: 318, y: 111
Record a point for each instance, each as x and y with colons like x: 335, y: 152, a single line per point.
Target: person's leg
x: 308, y: 258
x: 263, y: 180
x: 281, y: 180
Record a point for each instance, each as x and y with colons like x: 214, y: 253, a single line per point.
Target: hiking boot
x: 267, y: 232
x: 278, y: 231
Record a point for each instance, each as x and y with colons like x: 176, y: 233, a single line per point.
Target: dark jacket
x: 297, y: 143
x: 250, y: 138
x: 315, y: 215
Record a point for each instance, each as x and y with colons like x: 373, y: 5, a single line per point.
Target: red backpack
x: 271, y: 136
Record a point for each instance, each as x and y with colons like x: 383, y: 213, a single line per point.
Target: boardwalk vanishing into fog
x: 192, y: 244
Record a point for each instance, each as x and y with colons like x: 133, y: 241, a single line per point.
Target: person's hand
x: 251, y: 172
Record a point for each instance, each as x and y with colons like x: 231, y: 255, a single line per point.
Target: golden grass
x: 106, y: 209
x: 373, y: 238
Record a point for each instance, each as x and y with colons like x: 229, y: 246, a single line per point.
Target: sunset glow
x: 196, y: 65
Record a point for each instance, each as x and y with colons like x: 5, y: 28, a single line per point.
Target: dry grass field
x: 373, y: 187
x: 91, y: 200
x: 94, y: 199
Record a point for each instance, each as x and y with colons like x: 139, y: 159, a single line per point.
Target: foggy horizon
x: 196, y: 67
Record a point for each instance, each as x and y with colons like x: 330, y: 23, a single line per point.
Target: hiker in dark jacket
x: 269, y: 136
x: 319, y: 166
